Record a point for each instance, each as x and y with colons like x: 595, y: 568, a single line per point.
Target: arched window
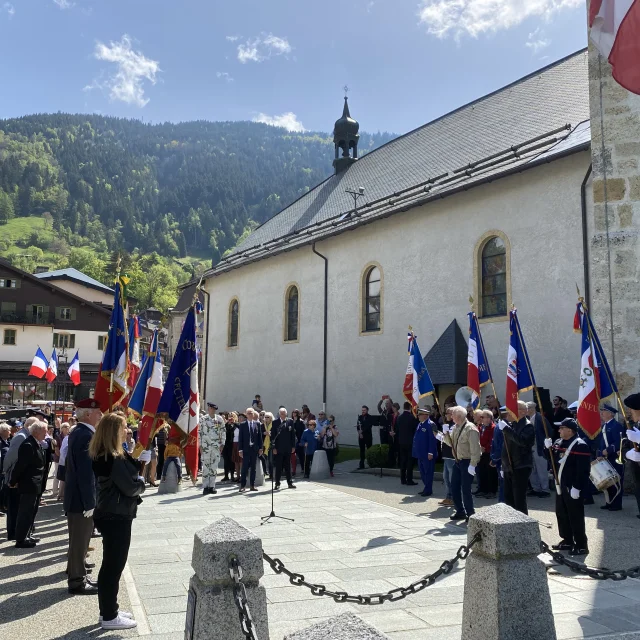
x: 234, y: 318
x: 493, y: 285
x: 291, y: 315
x: 371, y: 320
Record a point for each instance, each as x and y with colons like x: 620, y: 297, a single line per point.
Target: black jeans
x: 116, y: 537
x: 406, y: 463
x: 365, y: 443
x: 516, y: 484
x: 13, y: 500
x: 331, y: 458
x: 27, y: 509
x: 307, y: 464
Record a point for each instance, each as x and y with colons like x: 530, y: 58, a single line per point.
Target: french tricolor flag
x: 52, y: 369
x: 74, y: 369
x: 39, y: 365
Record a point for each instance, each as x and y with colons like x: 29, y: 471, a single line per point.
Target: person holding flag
x: 111, y: 386
x: 180, y: 401
x: 425, y: 449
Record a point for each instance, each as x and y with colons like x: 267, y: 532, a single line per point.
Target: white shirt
x: 236, y: 434
x: 63, y: 450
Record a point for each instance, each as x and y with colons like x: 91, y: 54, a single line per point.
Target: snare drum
x: 603, y: 475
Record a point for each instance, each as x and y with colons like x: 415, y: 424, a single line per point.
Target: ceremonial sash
x: 566, y: 455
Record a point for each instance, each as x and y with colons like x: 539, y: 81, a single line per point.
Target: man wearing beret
x: 212, y: 437
x: 633, y: 436
x: 573, y: 460
x: 608, y: 446
x: 80, y: 496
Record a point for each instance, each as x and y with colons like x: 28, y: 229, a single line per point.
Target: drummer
x: 608, y: 447
x: 573, y: 459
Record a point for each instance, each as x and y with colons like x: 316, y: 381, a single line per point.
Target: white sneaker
x: 119, y: 622
x: 122, y: 614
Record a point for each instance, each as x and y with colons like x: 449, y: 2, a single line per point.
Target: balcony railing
x: 27, y: 318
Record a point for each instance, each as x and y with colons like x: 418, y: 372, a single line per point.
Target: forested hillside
x: 192, y: 188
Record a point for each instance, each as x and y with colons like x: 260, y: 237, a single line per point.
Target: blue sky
x: 405, y: 61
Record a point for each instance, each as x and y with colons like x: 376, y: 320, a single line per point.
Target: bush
x: 377, y: 456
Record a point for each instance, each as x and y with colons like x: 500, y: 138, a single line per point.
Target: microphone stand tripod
x: 265, y: 519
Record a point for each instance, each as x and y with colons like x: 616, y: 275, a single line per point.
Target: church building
x: 491, y: 201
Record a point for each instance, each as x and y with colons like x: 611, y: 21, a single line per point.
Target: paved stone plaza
x: 342, y: 540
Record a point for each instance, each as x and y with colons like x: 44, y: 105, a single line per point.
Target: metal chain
x: 240, y: 597
x: 597, y: 574
x: 446, y: 567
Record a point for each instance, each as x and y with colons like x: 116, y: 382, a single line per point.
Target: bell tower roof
x: 346, y: 124
x: 345, y: 138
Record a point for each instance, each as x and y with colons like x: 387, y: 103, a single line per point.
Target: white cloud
x: 233, y: 38
x: 456, y: 18
x: 537, y: 41
x: 262, y: 48
x: 287, y: 120
x: 9, y: 8
x: 223, y: 75
x: 126, y: 84
x: 64, y: 4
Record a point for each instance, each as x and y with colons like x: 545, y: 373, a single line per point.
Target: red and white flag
x: 39, y: 365
x: 74, y: 369
x: 587, y: 415
x: 615, y: 31
x: 52, y: 369
x: 151, y: 401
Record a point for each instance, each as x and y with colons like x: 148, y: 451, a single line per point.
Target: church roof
x: 447, y: 359
x: 534, y: 120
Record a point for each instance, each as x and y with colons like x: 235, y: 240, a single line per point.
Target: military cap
x: 607, y: 407
x: 424, y: 410
x: 87, y: 403
x: 213, y: 405
x: 569, y: 423
x: 633, y: 401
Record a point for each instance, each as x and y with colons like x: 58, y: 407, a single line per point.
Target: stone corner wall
x: 614, y: 253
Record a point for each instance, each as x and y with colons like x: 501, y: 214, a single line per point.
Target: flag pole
x: 537, y: 394
x: 484, y: 353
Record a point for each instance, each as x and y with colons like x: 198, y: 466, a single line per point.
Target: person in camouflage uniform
x: 212, y: 437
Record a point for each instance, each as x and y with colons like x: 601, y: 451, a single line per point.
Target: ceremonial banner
x: 152, y: 396
x: 134, y: 357
x: 52, y: 369
x: 478, y: 372
x: 417, y: 381
x: 519, y: 372
x: 39, y: 365
x: 596, y: 379
x: 74, y: 369
x: 111, y: 386
x: 615, y: 31
x: 139, y: 391
x: 180, y: 402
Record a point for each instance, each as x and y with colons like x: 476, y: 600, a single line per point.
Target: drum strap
x: 564, y: 460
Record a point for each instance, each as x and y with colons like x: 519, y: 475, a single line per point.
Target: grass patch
x: 348, y: 452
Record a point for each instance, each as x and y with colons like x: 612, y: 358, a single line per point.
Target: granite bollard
x: 259, y: 475
x: 319, y: 466
x: 211, y: 608
x: 169, y: 483
x: 506, y: 593
x: 345, y: 627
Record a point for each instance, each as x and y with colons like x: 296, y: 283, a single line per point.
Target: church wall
x: 427, y: 259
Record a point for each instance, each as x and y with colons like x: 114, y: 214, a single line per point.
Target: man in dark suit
x: 80, y: 496
x: 283, y: 442
x: 249, y: 448
x: 365, y: 433
x: 26, y: 475
x: 405, y: 429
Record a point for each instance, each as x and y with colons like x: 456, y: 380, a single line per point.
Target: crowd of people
x: 100, y: 483
x: 509, y: 457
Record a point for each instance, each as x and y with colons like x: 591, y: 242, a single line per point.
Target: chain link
x: 597, y: 574
x: 240, y: 597
x: 445, y: 568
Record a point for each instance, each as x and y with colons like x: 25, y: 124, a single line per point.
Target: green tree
x: 6, y: 208
x: 89, y: 263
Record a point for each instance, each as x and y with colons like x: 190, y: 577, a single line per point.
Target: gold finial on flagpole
x: 580, y: 298
x: 471, y: 303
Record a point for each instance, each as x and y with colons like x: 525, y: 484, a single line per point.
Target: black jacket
x: 365, y: 423
x: 299, y: 428
x: 406, y: 424
x: 28, y: 471
x: 118, y: 488
x: 518, y: 444
x: 576, y: 470
x: 4, y: 447
x: 80, y: 484
x: 283, y: 436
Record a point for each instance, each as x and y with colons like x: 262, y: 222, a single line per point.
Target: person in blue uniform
x: 425, y: 449
x: 573, y: 460
x: 608, y: 447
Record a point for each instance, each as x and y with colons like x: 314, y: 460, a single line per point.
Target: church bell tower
x: 345, y: 139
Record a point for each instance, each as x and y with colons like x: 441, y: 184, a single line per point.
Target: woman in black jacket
x: 118, y: 488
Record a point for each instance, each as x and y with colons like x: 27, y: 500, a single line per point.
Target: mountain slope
x: 191, y: 188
